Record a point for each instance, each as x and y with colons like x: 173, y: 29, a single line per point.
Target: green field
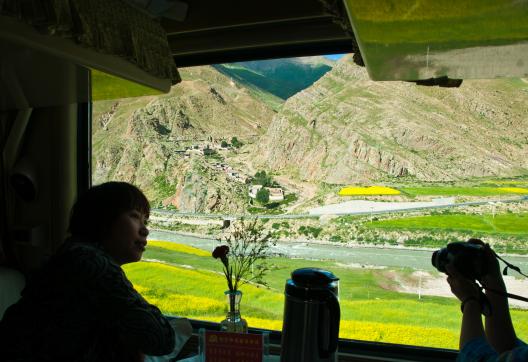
x: 188, y: 283
x: 520, y: 181
x: 513, y: 224
x: 457, y: 191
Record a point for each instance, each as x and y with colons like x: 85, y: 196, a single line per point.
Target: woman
x: 81, y: 306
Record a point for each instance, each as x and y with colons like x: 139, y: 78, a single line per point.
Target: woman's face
x: 127, y: 238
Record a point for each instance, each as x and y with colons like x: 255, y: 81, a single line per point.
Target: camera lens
x: 434, y: 260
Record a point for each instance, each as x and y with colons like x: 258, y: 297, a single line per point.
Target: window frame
x: 348, y: 349
x: 355, y: 350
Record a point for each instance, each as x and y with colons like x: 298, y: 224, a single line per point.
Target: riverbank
x: 365, y: 257
x: 331, y: 243
x: 409, y: 269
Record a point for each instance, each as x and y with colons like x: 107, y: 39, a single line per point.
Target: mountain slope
x: 143, y: 140
x: 348, y: 129
x: 343, y: 129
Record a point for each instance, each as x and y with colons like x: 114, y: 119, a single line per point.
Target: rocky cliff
x: 348, y: 129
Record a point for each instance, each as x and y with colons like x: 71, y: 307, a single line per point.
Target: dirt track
x: 424, y: 283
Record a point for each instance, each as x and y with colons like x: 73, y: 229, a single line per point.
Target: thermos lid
x: 312, y: 284
x: 313, y: 277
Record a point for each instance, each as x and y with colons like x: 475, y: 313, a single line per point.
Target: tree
x: 261, y: 178
x: 208, y: 151
x: 263, y: 195
x: 224, y: 144
x: 236, y: 143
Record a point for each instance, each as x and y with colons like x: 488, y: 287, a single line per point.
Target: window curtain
x: 107, y: 26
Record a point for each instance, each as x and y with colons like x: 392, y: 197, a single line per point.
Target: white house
x: 253, y: 191
x: 275, y: 193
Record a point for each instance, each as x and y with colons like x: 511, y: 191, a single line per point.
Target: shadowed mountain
x: 280, y: 77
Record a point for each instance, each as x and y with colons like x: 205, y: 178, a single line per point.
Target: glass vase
x: 233, y: 322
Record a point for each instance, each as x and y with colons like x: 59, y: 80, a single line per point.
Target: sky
x: 334, y: 56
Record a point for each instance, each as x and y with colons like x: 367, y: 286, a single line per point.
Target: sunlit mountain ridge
x: 341, y: 129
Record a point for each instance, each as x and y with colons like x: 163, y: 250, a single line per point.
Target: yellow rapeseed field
x: 369, y: 190
x: 398, y: 333
x: 515, y: 190
x: 198, y: 294
x: 379, y: 332
x: 180, y: 304
x: 181, y: 248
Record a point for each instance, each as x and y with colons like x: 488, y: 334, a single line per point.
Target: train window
x: 106, y: 86
x: 365, y: 179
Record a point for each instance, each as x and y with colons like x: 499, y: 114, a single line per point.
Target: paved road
x: 366, y: 209
x: 417, y: 259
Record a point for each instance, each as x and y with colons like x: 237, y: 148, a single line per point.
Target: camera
x: 469, y: 259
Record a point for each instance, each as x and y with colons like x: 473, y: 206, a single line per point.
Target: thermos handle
x: 333, y: 330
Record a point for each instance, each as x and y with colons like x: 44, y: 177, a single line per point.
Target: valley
x: 199, y: 148
x: 362, y: 178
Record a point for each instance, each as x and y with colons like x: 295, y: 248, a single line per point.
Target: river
x: 368, y: 256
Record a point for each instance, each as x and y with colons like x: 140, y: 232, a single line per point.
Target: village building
x: 275, y: 193
x: 253, y: 191
x: 193, y: 151
x: 243, y: 178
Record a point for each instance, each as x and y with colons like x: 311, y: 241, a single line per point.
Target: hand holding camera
x: 465, y: 263
x: 493, y: 278
x: 471, y: 261
x: 463, y: 288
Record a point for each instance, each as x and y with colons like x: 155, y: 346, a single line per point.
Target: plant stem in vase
x: 233, y: 321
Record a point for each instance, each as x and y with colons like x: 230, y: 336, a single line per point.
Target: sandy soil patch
x: 424, y: 283
x: 189, y: 221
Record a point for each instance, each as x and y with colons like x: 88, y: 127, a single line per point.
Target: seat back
x: 11, y: 284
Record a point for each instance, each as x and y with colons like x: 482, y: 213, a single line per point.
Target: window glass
x: 107, y: 86
x: 365, y: 179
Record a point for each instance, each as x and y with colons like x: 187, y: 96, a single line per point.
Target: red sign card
x: 233, y: 347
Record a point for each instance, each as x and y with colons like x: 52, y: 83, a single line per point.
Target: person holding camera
x: 497, y: 341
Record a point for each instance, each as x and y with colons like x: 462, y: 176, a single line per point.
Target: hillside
x: 343, y: 129
x: 153, y: 141
x: 347, y: 129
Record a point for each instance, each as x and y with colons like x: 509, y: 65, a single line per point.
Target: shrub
x: 261, y: 178
x: 236, y: 143
x: 273, y: 205
x: 263, y: 195
x: 164, y: 187
x: 208, y: 151
x: 310, y: 231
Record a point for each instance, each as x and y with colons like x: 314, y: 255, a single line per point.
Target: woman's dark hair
x: 98, y: 208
